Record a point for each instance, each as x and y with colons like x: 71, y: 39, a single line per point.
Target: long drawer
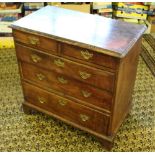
x: 66, y: 109
x: 67, y: 85
x: 35, y: 41
x: 99, y: 78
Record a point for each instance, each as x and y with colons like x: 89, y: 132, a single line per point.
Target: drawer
x: 35, y: 41
x: 86, y: 74
x: 67, y: 86
x: 89, y: 56
x: 67, y: 109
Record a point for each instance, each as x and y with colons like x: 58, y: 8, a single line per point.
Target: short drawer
x: 95, y: 77
x: 67, y: 109
x: 66, y: 85
x: 89, y: 56
x: 35, y: 41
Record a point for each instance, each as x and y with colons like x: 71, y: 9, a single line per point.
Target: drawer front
x: 37, y: 42
x: 66, y: 109
x: 66, y: 85
x: 86, y: 74
x: 89, y: 56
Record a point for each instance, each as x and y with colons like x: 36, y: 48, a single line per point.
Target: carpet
x: 39, y: 132
x: 148, y: 51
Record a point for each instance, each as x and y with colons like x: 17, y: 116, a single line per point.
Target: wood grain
x: 83, y: 76
x: 67, y: 109
x: 35, y: 41
x: 97, y: 58
x: 69, y: 86
x: 94, y: 77
x: 124, y: 87
x: 93, y: 32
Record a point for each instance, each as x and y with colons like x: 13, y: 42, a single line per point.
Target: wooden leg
x: 106, y: 144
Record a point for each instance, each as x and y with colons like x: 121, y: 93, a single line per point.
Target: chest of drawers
x: 79, y: 68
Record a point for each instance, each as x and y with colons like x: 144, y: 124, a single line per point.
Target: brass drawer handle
x: 84, y: 118
x: 41, y: 100
x: 40, y: 76
x: 35, y: 58
x: 59, y: 63
x: 84, y: 75
x: 86, y: 54
x: 33, y: 40
x: 86, y: 94
x: 62, y: 80
x: 62, y: 102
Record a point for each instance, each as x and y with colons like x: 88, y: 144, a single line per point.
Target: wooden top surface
x: 94, y: 32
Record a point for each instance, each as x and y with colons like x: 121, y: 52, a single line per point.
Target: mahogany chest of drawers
x: 77, y: 67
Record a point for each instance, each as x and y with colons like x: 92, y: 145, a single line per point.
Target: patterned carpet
x: 39, y: 132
